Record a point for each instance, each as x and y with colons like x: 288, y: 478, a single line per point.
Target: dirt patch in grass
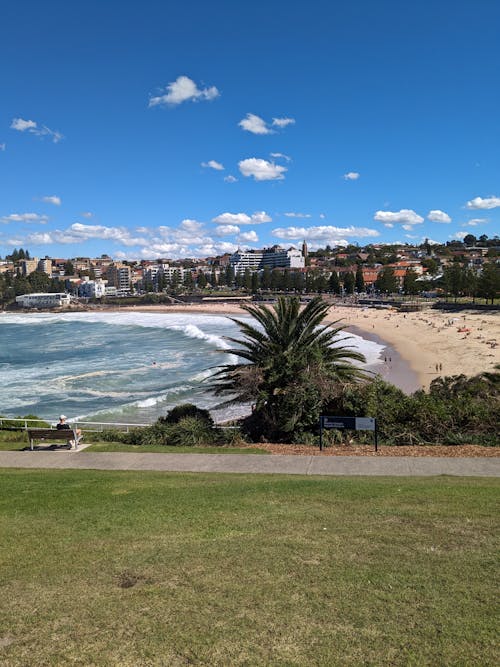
x: 469, y: 451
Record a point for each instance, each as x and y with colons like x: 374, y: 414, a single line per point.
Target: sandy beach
x: 431, y: 342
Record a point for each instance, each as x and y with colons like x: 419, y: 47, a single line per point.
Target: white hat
x: 63, y: 417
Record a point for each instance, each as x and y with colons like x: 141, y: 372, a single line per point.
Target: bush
x: 177, y: 413
x: 13, y: 425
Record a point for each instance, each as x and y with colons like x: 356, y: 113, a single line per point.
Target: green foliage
x: 14, y: 424
x: 177, y: 413
x: 349, y: 282
x: 360, y: 281
x: 386, y: 281
x: 489, y: 281
x: 292, y: 364
x: 455, y: 410
x: 410, y: 284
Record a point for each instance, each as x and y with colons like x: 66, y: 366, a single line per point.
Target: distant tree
x: 470, y: 240
x: 431, y: 265
x: 175, y: 280
x: 453, y: 277
x: 69, y: 269
x: 188, y: 280
x: 213, y: 278
x: 489, y: 282
x: 410, y: 284
x: 334, y: 283
x: 321, y: 283
x: 299, y: 282
x: 247, y: 280
x: 266, y: 278
x: 349, y: 282
x: 229, y: 277
x: 202, y: 280
x: 386, y: 281
x: 360, y: 281
x: 276, y: 280
x: 255, y: 282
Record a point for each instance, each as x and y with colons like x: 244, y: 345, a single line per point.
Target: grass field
x: 117, y: 568
x: 15, y: 441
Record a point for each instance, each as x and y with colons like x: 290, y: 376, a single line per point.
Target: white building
x: 44, y: 300
x: 272, y: 258
x: 92, y: 289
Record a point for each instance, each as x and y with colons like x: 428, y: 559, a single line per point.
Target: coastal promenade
x: 398, y: 466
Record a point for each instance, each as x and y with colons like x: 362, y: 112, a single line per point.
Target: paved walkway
x: 253, y: 463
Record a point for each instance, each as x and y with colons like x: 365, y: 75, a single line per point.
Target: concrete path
x: 253, y: 463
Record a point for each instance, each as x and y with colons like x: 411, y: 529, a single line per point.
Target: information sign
x: 348, y: 423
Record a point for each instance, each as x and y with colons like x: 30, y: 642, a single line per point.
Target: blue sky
x: 161, y: 129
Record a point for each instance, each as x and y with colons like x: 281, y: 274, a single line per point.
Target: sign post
x: 348, y: 423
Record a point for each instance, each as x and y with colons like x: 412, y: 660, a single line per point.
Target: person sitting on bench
x: 63, y: 425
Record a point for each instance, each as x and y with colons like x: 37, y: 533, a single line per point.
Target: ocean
x: 118, y: 367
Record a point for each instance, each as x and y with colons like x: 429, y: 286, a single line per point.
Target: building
x: 45, y: 266
x: 118, y: 276
x: 92, y: 289
x: 28, y: 266
x: 272, y: 258
x: 44, y: 300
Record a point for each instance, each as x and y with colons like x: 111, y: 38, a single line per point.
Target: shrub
x: 186, y: 410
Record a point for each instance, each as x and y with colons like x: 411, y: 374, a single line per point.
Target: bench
x: 66, y: 434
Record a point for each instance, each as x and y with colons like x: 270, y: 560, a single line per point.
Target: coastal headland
x: 432, y: 343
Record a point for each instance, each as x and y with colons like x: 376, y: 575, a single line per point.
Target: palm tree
x: 292, y: 364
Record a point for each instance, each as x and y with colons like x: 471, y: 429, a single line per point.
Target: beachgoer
x: 62, y: 425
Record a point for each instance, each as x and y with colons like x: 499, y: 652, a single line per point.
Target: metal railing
x: 90, y: 427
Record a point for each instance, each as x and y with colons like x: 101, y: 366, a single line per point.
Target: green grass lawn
x: 15, y: 441
x: 122, y: 568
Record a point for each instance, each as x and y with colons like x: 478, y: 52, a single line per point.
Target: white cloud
x: 257, y: 125
x: 281, y: 156
x: 2, y: 147
x: 474, y: 222
x: 119, y: 234
x: 407, y: 228
x: 230, y: 179
x: 87, y: 214
x: 31, y: 126
x: 297, y: 215
x: 182, y: 90
x: 458, y: 235
x: 192, y: 226
x: 322, y: 216
x: 25, y: 217
x: 248, y: 237
x: 22, y: 125
x: 226, y: 230
x: 411, y: 236
x: 254, y: 124
x: 261, y: 170
x: 351, y: 176
x: 323, y: 232
x: 438, y: 216
x: 405, y: 215
x: 213, y: 164
x: 257, y: 218
x: 389, y: 225
x: 283, y: 122
x: 52, y: 199
x: 487, y: 203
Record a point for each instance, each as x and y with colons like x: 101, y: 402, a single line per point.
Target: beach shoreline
x: 428, y: 344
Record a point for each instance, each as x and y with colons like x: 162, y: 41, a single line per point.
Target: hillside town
x: 468, y: 268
